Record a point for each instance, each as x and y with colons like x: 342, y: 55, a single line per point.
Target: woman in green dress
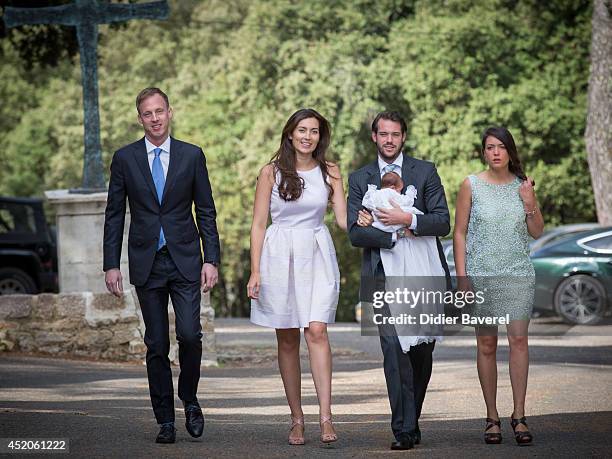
x: 496, y: 212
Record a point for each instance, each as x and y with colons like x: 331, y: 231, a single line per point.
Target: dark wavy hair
x: 389, y: 115
x: 503, y: 135
x: 291, y: 185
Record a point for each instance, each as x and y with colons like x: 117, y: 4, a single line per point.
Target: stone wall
x: 93, y: 325
x: 84, y: 319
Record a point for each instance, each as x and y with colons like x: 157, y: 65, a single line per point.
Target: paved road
x: 104, y: 410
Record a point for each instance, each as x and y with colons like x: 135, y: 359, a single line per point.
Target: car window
x: 15, y: 218
x: 601, y: 243
x: 552, y: 237
x: 558, y: 237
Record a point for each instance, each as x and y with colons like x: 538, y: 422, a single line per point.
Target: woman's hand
x: 527, y: 194
x: 364, y: 218
x: 464, y: 284
x: 253, y: 286
x: 533, y: 216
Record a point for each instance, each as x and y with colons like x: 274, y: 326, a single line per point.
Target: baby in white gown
x: 390, y: 189
x: 410, y: 257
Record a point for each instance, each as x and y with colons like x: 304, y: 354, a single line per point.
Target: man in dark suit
x: 163, y: 179
x: 407, y: 375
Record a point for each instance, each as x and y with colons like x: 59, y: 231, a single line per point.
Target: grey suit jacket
x: 430, y: 200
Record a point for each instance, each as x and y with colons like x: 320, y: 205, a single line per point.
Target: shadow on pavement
x: 556, y: 435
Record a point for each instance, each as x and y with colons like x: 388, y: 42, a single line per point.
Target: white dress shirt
x: 398, y: 162
x: 164, y: 156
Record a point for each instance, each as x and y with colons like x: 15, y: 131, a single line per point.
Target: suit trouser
x: 407, y: 375
x: 166, y: 280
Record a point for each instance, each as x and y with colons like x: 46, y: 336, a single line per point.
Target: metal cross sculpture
x: 85, y: 15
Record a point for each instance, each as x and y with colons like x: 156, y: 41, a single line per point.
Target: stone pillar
x: 80, y: 231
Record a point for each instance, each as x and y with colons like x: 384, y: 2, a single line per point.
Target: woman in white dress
x: 294, y: 279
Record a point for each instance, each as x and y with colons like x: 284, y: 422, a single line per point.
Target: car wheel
x: 14, y: 280
x: 580, y: 299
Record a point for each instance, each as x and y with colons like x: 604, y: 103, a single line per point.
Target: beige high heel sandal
x: 296, y: 422
x: 329, y: 437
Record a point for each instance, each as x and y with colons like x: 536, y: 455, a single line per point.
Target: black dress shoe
x: 167, y: 434
x: 417, y: 436
x: 194, y: 420
x: 405, y: 442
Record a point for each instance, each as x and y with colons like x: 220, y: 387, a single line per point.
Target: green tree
x: 236, y: 70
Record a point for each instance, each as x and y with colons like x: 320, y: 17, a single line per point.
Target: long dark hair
x: 291, y: 185
x: 503, y: 135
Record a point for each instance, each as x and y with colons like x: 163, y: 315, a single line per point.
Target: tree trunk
x: 598, y: 135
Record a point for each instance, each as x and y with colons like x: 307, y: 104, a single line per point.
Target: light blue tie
x: 390, y: 168
x: 160, y: 182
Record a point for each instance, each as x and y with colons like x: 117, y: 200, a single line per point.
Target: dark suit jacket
x: 186, y: 183
x: 430, y: 200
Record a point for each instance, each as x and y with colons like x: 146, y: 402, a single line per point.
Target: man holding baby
x: 407, y: 365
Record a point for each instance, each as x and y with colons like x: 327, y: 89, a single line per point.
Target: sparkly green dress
x: 497, y: 251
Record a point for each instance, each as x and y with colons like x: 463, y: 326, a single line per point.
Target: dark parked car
x: 574, y: 276
x: 28, y: 252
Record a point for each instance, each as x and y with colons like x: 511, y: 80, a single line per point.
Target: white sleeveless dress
x: 300, y: 281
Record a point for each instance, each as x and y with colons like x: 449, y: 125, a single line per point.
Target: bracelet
x: 531, y: 213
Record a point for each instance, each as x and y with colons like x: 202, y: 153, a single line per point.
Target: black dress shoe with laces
x: 167, y: 434
x: 194, y: 420
x: 404, y: 442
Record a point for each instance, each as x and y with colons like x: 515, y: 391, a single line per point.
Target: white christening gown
x: 412, y: 264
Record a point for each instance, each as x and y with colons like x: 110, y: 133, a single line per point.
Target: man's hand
x: 114, y: 282
x: 208, y: 277
x: 395, y: 216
